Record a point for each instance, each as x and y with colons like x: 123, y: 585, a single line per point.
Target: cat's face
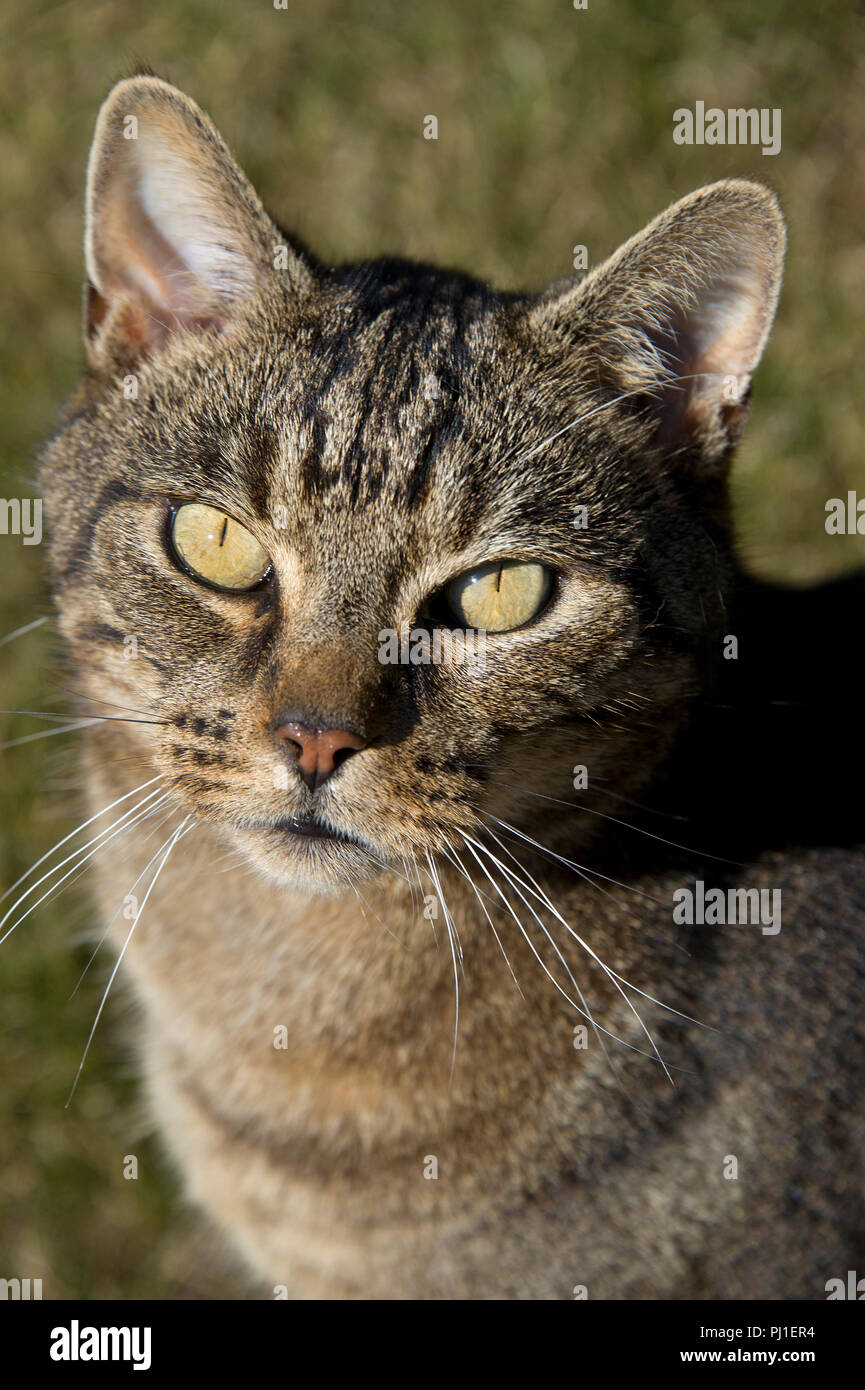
x: 390, y: 449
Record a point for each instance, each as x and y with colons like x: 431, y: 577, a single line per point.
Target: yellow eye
x: 501, y: 596
x: 216, y: 548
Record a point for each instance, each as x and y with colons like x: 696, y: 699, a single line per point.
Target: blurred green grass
x: 555, y: 129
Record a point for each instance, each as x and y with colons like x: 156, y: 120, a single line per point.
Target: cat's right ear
x: 176, y: 237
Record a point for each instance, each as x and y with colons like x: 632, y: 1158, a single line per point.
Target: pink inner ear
x: 713, y: 347
x: 727, y: 328
x: 173, y: 240
x: 136, y: 261
x: 147, y: 290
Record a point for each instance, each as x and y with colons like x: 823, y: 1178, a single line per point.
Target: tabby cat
x: 421, y: 1012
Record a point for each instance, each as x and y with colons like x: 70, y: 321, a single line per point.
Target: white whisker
x: 542, y: 897
x: 20, y: 631
x: 181, y: 830
x: 99, y: 841
x: 77, y: 831
x: 581, y: 869
x: 114, y: 919
x: 581, y: 1008
x: 454, y: 859
x: 448, y: 919
x: 609, y: 969
x: 49, y: 733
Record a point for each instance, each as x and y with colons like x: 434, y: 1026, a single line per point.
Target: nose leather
x: 318, y: 752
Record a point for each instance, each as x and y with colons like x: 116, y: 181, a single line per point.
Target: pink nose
x: 318, y: 752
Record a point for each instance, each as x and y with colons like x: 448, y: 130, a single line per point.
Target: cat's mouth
x: 311, y: 828
x: 305, y: 852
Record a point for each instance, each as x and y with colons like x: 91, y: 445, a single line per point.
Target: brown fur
x: 381, y: 429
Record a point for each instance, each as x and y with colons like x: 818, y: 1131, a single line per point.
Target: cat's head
x: 276, y: 474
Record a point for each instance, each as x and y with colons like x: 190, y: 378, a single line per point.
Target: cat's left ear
x: 176, y: 237
x: 678, y: 317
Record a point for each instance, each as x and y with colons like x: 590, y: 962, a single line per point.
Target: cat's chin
x: 312, y: 860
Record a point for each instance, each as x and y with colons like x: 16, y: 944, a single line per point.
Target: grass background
x: 555, y: 129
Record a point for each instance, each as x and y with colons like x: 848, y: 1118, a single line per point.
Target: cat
x: 419, y: 1014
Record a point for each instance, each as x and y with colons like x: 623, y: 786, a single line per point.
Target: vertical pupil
x: 223, y: 531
